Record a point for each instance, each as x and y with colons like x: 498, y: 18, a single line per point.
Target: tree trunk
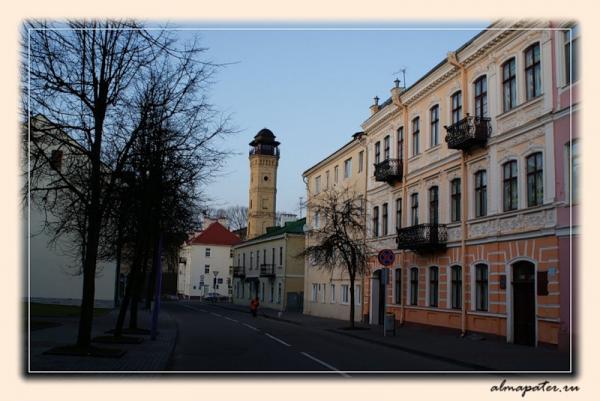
x: 151, y: 281
x: 125, y: 303
x: 351, y: 301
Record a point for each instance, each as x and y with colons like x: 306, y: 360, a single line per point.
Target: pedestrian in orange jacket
x: 254, y: 306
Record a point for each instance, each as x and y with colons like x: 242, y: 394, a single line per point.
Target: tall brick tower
x: 264, y: 158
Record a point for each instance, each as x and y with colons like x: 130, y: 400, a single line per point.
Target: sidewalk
x: 144, y: 357
x: 474, y: 351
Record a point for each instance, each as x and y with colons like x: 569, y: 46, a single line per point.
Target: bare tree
x: 87, y: 79
x: 339, y: 238
x: 237, y: 216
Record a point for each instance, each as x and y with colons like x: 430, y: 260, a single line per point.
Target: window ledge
x: 519, y: 107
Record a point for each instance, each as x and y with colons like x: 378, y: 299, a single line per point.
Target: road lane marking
x: 324, y: 364
x: 233, y: 320
x: 278, y: 340
x: 250, y: 327
x: 216, y: 314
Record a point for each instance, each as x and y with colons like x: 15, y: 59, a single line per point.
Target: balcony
x: 468, y: 133
x: 264, y: 149
x: 423, y: 237
x: 389, y: 170
x: 239, y: 271
x: 267, y: 270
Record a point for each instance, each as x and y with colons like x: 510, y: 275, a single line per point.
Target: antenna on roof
x: 403, y: 71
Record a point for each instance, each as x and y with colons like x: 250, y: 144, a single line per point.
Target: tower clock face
x: 266, y: 178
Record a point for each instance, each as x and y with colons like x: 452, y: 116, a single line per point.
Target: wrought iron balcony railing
x: 267, y: 270
x: 389, y: 170
x: 422, y: 237
x: 468, y: 133
x: 239, y: 271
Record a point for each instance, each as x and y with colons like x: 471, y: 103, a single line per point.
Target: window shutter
x: 542, y: 283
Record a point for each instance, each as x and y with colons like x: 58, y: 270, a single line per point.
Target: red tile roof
x: 215, y: 234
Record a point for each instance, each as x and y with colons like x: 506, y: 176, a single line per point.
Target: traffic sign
x: 386, y: 257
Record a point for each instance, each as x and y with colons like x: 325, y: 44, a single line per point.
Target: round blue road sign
x: 386, y: 257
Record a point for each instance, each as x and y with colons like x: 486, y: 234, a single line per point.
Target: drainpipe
x: 363, y: 140
x: 452, y: 59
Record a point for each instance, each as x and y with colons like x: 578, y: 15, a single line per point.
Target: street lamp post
x: 215, y: 273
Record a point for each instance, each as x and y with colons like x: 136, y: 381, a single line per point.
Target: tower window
x: 266, y: 178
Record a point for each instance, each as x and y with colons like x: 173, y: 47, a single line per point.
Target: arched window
x: 433, y: 205
x: 481, y: 287
x: 456, y: 287
x: 535, y: 179
x: 434, y: 137
x: 414, y: 286
x: 509, y: 181
x: 415, y: 136
x: 481, y: 109
x: 533, y: 80
x: 480, y: 193
x: 456, y: 107
x: 509, y: 84
x: 455, y: 200
x: 433, y: 286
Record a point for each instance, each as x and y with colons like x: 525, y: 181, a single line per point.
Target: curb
x: 174, y: 342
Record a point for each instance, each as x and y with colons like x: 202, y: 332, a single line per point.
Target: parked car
x: 214, y: 297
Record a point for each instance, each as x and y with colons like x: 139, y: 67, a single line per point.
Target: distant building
x: 269, y: 266
x: 205, y: 263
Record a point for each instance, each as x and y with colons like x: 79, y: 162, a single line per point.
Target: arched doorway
x: 523, y: 302
x: 378, y: 296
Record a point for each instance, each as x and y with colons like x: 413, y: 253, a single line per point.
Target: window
x: 509, y: 84
x: 348, y: 168
x: 318, y: 184
x: 414, y: 209
x: 480, y: 193
x: 386, y: 147
x: 317, y: 220
x: 280, y: 256
x: 251, y: 260
x: 400, y: 145
x: 264, y: 256
x: 533, y: 80
x: 414, y: 286
x: 345, y: 294
x: 433, y: 285
x: 262, y: 291
x: 56, y: 159
x: 571, y: 53
x: 398, y: 213
x: 456, y: 107
x: 219, y: 280
x: 481, y: 97
x: 315, y: 290
x: 456, y: 293
x: 322, y: 286
x: 332, y: 293
x: 433, y: 205
x: 273, y: 256
x: 207, y: 252
x: 335, y: 174
x: 535, y: 180
x: 384, y: 219
x: 455, y: 200
x: 572, y: 164
x: 279, y: 293
x: 434, y: 138
x: 244, y: 259
x: 206, y: 269
x: 377, y: 152
x: 327, y: 179
x: 415, y: 136
x: 398, y: 286
x: 510, y: 185
x: 257, y: 259
x: 481, y: 287
x: 357, y: 295
x: 375, y: 222
x: 361, y: 159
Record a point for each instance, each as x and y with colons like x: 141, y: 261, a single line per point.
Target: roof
x: 291, y: 227
x: 356, y: 136
x: 215, y: 234
x: 264, y: 136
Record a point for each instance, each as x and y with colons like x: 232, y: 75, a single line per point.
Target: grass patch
x: 51, y: 310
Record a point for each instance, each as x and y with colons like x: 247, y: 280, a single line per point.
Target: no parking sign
x: 386, y: 257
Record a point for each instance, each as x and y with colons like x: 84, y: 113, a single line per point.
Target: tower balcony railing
x: 262, y: 149
x: 422, y: 237
x: 267, y: 270
x: 470, y: 132
x: 239, y: 271
x: 389, y: 170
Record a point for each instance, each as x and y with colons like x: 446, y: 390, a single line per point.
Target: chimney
x: 375, y: 107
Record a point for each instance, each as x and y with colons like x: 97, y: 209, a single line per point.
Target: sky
x: 311, y: 88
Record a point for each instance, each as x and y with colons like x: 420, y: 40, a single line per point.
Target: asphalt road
x: 218, y: 340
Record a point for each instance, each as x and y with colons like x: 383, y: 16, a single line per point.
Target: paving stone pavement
x: 148, y: 356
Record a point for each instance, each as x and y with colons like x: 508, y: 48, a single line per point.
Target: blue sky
x: 312, y: 88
